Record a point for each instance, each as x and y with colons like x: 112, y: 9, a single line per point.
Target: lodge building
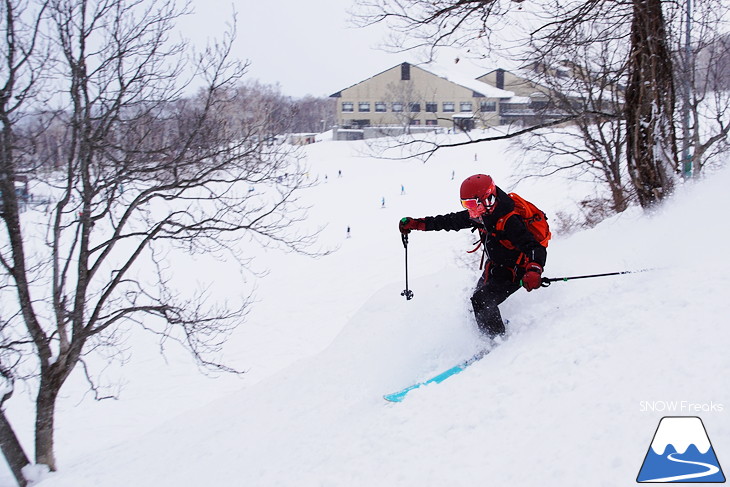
x: 410, y: 98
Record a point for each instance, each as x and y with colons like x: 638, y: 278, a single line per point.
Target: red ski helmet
x: 478, y: 194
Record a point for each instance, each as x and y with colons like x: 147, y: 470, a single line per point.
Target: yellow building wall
x: 422, y: 87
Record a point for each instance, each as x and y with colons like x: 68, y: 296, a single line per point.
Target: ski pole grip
x: 545, y: 282
x: 404, y: 238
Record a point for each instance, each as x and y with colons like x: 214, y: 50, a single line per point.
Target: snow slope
x: 561, y: 402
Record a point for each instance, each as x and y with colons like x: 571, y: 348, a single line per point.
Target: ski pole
x: 546, y: 281
x: 406, y: 292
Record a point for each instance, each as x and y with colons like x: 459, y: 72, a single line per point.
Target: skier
x: 506, y: 268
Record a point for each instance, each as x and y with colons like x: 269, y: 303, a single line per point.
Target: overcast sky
x: 308, y: 47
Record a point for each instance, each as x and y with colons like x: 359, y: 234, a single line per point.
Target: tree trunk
x: 45, y: 416
x: 12, y: 450
x: 618, y: 197
x: 651, y: 140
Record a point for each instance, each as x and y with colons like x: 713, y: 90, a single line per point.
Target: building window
x: 348, y: 106
x: 415, y: 122
x: 405, y: 72
x: 380, y: 106
x: 361, y: 123
x: 488, y: 106
x: 432, y: 107
x: 363, y: 106
x: 432, y: 122
x: 465, y: 106
x: 397, y: 106
x: 414, y: 107
x: 448, y: 106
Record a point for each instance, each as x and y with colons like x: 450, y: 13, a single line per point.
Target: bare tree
x: 709, y: 112
x: 23, y: 60
x: 264, y: 103
x: 405, y: 103
x: 283, y: 113
x: 585, y: 80
x: 651, y: 145
x: 702, y: 74
x: 141, y: 172
x: 11, y: 448
x: 313, y: 114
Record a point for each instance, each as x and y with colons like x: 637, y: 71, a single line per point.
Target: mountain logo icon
x: 681, y: 452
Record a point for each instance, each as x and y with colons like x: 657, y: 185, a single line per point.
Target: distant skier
x: 514, y: 256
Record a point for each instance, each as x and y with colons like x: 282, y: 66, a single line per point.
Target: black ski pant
x: 489, y: 294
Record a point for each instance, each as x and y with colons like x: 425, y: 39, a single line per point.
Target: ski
x: 400, y: 395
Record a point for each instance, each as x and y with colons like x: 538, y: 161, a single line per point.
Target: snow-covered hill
x: 572, y: 396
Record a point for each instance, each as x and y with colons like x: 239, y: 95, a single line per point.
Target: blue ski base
x: 400, y: 395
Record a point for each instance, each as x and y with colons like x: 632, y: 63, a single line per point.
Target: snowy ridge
x: 556, y: 404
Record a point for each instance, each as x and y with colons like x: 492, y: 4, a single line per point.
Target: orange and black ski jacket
x: 526, y: 248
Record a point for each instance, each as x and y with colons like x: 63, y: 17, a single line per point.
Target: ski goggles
x: 474, y: 203
x: 471, y: 204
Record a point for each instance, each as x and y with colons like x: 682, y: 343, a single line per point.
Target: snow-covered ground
x: 571, y: 398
